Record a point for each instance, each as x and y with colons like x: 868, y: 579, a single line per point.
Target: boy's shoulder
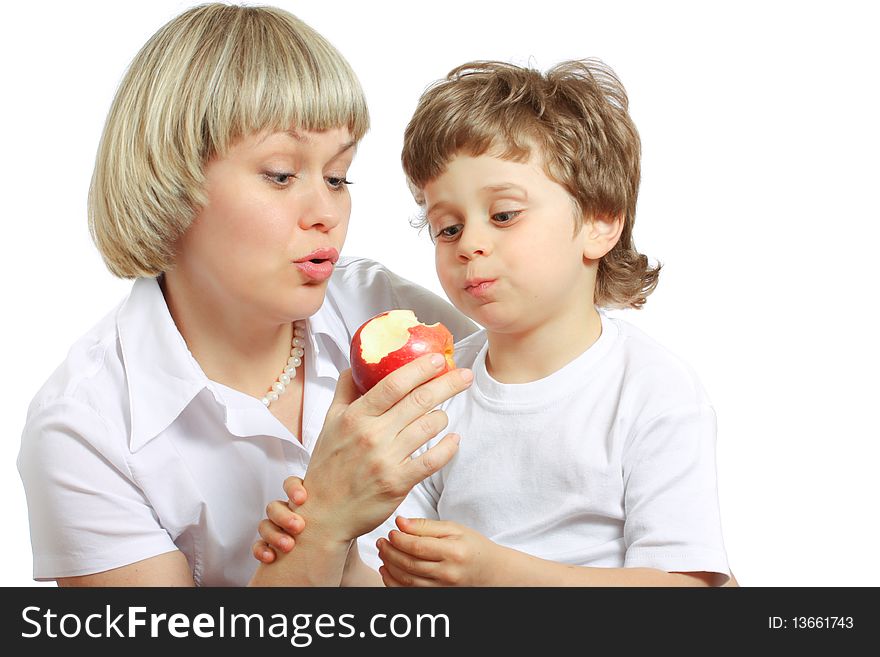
x: 650, y: 368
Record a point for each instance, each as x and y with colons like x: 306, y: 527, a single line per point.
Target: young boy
x: 588, y: 451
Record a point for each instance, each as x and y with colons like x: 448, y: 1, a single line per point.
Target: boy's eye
x: 504, y: 217
x: 448, y: 233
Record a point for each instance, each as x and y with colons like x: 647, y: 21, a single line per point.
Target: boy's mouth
x: 479, y: 287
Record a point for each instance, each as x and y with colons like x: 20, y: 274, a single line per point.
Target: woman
x: 149, y: 456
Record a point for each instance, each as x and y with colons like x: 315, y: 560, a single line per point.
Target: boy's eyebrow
x: 499, y: 187
x: 504, y: 187
x: 439, y: 205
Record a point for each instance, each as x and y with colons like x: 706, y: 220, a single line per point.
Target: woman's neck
x: 230, y: 343
x: 540, y: 351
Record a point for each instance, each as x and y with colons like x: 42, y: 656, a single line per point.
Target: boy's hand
x: 282, y: 522
x: 436, y: 553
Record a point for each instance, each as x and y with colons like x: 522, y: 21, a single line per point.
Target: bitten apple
x: 392, y: 339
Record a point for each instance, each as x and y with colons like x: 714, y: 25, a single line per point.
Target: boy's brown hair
x: 576, y: 114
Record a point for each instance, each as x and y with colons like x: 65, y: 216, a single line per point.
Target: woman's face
x: 275, y: 219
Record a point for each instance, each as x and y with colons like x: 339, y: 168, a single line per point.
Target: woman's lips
x: 316, y: 270
x: 318, y: 265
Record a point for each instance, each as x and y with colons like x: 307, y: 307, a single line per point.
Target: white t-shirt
x: 610, y: 461
x: 130, y: 451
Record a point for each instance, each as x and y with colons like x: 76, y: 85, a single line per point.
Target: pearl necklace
x: 295, y: 360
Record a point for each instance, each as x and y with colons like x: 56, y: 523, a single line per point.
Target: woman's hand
x: 362, y: 465
x: 437, y: 553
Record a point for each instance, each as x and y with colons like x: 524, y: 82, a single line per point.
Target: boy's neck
x: 541, y: 351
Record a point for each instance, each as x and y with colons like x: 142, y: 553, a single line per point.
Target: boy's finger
x: 425, y: 526
x: 391, y: 555
x: 284, y: 519
x: 404, y: 578
x: 427, y: 548
x: 295, y: 491
x: 387, y: 579
x: 276, y: 538
x: 426, y: 464
x: 263, y: 553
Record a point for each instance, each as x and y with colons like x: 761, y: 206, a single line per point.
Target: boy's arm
x: 436, y: 553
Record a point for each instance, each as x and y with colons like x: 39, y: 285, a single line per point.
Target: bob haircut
x: 576, y: 115
x: 209, y: 77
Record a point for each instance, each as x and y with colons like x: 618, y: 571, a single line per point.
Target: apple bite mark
x: 392, y: 339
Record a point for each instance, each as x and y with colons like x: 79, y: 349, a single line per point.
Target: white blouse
x: 130, y: 451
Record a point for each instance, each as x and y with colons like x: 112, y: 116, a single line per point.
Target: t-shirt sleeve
x: 86, y: 512
x: 671, y: 494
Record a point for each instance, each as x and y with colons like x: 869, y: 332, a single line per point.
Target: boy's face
x: 504, y: 248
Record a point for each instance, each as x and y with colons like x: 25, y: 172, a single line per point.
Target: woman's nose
x: 321, y: 209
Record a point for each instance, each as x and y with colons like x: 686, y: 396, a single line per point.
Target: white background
x: 760, y: 138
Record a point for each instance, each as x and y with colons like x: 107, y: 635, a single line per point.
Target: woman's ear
x: 600, y: 234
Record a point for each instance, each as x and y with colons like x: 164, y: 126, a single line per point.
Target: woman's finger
x: 401, y: 383
x: 428, y: 396
x: 419, y: 431
x: 431, y: 461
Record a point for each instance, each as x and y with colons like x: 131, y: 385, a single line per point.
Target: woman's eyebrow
x: 303, y: 139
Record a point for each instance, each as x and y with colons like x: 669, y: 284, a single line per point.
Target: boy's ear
x: 600, y: 234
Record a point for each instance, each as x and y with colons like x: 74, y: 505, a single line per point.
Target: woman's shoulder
x: 90, y: 378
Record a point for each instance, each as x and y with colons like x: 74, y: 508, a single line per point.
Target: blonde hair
x: 212, y: 75
x: 576, y: 114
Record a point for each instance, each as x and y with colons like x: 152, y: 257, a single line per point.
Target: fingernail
x: 466, y: 375
x: 285, y: 542
x: 267, y: 554
x: 437, y: 361
x: 456, y: 438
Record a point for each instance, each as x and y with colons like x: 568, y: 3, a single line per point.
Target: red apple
x: 392, y: 339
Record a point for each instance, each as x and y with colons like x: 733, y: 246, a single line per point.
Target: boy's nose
x: 472, y: 243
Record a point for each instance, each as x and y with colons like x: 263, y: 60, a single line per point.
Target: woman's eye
x: 280, y: 179
x: 337, y: 183
x: 504, y: 217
